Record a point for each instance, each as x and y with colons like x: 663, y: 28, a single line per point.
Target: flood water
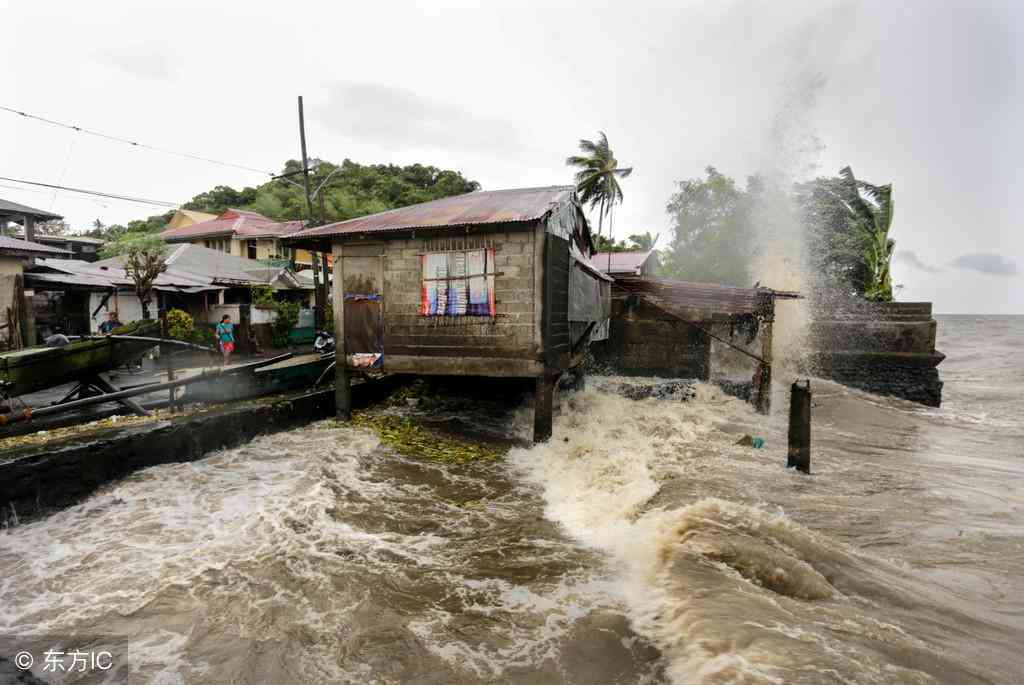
x: 640, y: 545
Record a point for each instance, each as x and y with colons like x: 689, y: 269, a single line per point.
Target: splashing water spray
x: 780, y: 259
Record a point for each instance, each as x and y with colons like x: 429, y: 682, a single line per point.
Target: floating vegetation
x: 412, y: 438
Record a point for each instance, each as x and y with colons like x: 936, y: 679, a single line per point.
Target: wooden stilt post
x: 764, y: 387
x: 342, y: 382
x: 800, y: 427
x: 543, y: 408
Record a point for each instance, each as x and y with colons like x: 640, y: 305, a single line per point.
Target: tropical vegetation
x: 712, y: 229
x: 144, y: 259
x: 597, y: 178
x: 846, y: 223
x: 340, y: 192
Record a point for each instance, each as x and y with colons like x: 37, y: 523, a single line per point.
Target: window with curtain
x: 458, y: 283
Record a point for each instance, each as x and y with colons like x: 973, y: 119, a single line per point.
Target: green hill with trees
x: 341, y: 192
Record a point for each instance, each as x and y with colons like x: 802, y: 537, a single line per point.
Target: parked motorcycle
x: 323, y: 342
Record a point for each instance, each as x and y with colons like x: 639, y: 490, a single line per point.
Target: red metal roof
x: 233, y: 222
x: 621, y: 262
x: 481, y: 207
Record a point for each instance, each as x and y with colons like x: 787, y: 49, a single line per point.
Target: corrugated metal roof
x: 688, y: 299
x: 214, y: 264
x: 85, y: 281
x: 66, y: 238
x: 621, y: 262
x: 471, y: 209
x: 9, y: 244
x: 11, y: 209
x: 233, y: 222
x: 110, y: 274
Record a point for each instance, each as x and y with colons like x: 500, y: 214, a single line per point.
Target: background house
x: 25, y: 216
x: 16, y: 325
x: 187, y: 217
x: 80, y: 247
x: 76, y: 296
x: 243, y: 234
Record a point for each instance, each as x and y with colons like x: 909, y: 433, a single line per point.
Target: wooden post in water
x: 800, y: 427
x: 764, y: 389
x: 342, y: 382
x: 543, y: 407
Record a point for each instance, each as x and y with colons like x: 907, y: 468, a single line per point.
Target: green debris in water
x: 413, y: 439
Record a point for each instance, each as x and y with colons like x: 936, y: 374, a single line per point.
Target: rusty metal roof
x: 471, y: 209
x: 688, y: 299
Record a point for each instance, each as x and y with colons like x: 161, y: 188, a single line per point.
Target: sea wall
x: 41, y: 478
x: 884, y: 348
x: 52, y: 475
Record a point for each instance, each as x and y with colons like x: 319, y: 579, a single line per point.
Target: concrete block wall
x: 510, y: 334
x: 644, y: 341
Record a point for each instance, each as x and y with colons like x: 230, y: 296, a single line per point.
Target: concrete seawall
x: 40, y: 478
x: 885, y: 348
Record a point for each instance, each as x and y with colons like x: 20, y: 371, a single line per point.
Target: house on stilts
x: 491, y: 284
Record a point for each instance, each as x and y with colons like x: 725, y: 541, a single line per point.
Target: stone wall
x: 884, y: 348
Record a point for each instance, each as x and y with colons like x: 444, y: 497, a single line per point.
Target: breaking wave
x: 713, y: 570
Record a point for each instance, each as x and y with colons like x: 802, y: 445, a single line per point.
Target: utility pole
x: 318, y: 305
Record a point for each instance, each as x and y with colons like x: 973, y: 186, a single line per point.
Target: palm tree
x: 597, y: 180
x: 871, y: 209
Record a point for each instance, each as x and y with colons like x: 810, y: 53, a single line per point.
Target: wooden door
x: 364, y: 304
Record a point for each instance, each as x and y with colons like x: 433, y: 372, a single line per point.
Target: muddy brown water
x: 640, y: 545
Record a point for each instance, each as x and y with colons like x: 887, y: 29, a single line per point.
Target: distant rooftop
x: 233, y: 223
x: 65, y: 238
x: 216, y: 266
x: 23, y: 248
x: 12, y: 210
x: 630, y: 262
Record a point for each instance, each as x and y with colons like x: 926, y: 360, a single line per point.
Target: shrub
x: 204, y: 335
x: 179, y: 324
x: 263, y: 296
x: 287, y: 317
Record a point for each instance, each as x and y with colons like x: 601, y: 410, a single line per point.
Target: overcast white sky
x: 926, y: 95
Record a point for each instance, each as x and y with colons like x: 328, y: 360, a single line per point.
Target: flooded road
x: 640, y: 545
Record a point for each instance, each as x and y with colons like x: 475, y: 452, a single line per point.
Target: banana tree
x: 871, y: 210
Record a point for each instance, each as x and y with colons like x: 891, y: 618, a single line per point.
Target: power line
x: 114, y: 196
x: 134, y: 143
